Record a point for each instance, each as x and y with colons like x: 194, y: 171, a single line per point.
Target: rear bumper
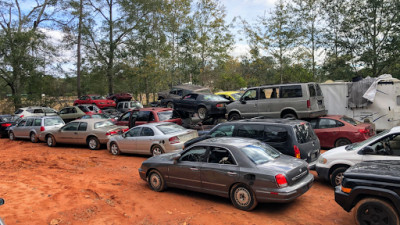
x: 311, y: 114
x: 286, y: 194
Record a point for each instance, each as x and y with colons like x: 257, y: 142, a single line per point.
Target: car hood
x: 382, y: 170
x: 335, y: 152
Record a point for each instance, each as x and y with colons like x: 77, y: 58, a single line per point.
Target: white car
x: 35, y: 111
x: 383, y: 146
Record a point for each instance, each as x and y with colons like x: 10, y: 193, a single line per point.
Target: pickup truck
x: 372, y: 188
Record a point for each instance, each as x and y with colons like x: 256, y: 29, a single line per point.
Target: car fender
x: 235, y: 111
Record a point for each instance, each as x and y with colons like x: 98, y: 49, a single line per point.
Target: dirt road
x: 74, y: 185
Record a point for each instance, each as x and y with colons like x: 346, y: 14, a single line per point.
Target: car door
x: 219, y: 171
x: 18, y: 129
x: 67, y: 133
x: 128, y: 141
x: 188, y: 103
x: 249, y: 100
x: 25, y: 130
x: 185, y: 172
x: 82, y: 133
x: 268, y: 103
x: 328, y: 131
x: 144, y: 117
x: 145, y: 140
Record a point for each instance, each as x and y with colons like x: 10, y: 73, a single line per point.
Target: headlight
x: 322, y: 160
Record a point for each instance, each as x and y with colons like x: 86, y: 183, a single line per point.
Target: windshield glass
x: 97, y: 97
x: 170, y: 128
x: 53, y: 121
x: 136, y: 105
x: 350, y: 120
x: 369, y: 140
x: 236, y: 95
x: 260, y: 153
x: 103, y: 124
x: 304, y: 132
x: 166, y: 115
x: 213, y: 98
x: 100, y: 116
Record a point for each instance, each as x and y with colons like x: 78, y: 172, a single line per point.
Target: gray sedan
x: 245, y: 170
x: 92, y: 132
x: 151, y: 139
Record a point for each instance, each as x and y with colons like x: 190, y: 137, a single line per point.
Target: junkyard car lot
x: 74, y: 185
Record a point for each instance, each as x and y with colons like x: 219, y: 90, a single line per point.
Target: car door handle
x: 231, y: 173
x: 194, y: 169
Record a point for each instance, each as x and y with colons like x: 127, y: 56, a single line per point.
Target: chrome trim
x: 221, y: 185
x: 178, y: 178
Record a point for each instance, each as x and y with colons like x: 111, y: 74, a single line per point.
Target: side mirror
x: 243, y: 100
x: 368, y: 150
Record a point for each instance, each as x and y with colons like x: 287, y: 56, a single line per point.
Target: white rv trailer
x: 384, y: 111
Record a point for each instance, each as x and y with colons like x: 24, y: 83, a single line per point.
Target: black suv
x: 291, y: 137
x: 372, y: 188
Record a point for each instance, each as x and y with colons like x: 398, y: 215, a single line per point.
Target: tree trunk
x: 78, y: 64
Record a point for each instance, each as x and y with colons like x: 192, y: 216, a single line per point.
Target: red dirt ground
x: 74, y: 185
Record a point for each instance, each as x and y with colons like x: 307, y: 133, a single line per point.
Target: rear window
x: 312, y: 90
x: 18, y: 111
x: 318, y: 89
x: 53, y: 121
x: 167, y: 115
x: 103, y: 124
x: 275, y: 134
x: 292, y: 91
x: 83, y: 108
x: 136, y: 104
x: 304, y: 133
x: 260, y: 153
x: 213, y: 98
x: 48, y: 110
x: 8, y: 118
x: 170, y: 128
x: 350, y: 120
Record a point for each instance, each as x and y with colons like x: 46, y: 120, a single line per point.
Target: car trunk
x: 187, y: 135
x: 294, y: 170
x: 307, y: 142
x: 366, y: 128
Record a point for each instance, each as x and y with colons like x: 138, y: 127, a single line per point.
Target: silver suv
x: 35, y: 111
x: 301, y: 100
x: 31, y: 127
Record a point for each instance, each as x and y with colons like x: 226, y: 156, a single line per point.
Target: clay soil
x: 74, y: 185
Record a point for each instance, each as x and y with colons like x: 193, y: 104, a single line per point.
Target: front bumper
x: 286, y: 194
x: 142, y: 174
x: 343, y: 199
x: 323, y: 172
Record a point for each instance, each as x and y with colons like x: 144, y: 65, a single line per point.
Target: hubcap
x: 49, y: 141
x: 242, y: 197
x: 157, y: 151
x: 12, y: 136
x: 92, y: 143
x: 114, y: 149
x: 33, y: 138
x: 375, y: 214
x: 155, y: 180
x: 338, y: 179
x: 202, y: 113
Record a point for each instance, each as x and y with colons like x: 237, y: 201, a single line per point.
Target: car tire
x: 51, y: 141
x: 289, y: 116
x: 202, y: 113
x: 11, y: 136
x: 33, y: 137
x: 243, y: 197
x: 375, y: 211
x: 93, y: 143
x: 114, y: 149
x: 337, y: 176
x: 156, y: 181
x: 234, y: 116
x: 156, y: 150
x: 170, y: 105
x: 342, y: 141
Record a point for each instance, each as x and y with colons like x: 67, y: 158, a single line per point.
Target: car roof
x: 154, y: 124
x: 93, y: 120
x: 289, y: 122
x: 155, y: 109
x: 230, y: 142
x: 395, y: 129
x: 278, y: 85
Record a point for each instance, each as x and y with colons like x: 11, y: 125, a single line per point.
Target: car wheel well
x: 88, y: 137
x: 333, y: 168
x: 149, y: 171
x: 237, y: 183
x: 288, y: 111
x: 363, y: 196
x: 232, y: 113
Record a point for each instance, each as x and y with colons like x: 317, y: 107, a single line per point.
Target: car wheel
x: 202, y: 112
x: 156, y: 181
x: 33, y: 138
x: 375, y: 211
x: 114, y: 149
x: 170, y: 105
x: 11, y: 136
x: 289, y: 116
x: 342, y: 141
x: 243, y: 197
x: 234, y: 116
x: 156, y: 150
x: 93, y: 143
x: 51, y: 141
x: 337, y: 176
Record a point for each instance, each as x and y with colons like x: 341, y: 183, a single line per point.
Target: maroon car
x: 98, y: 100
x: 147, y: 115
x: 120, y: 97
x: 338, y: 130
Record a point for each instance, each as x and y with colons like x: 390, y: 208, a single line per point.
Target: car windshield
x: 103, y: 124
x: 236, y: 95
x: 170, y: 128
x: 100, y: 116
x: 304, y: 132
x: 8, y: 118
x: 369, y: 140
x: 53, y: 121
x: 350, y: 120
x: 166, y: 115
x: 48, y: 110
x: 136, y: 105
x: 97, y: 97
x: 260, y: 153
x: 213, y: 98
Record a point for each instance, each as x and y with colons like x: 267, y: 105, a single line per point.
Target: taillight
x: 363, y: 131
x: 125, y: 130
x: 281, y: 181
x: 21, y: 116
x: 42, y: 128
x: 174, y: 140
x: 111, y: 133
x: 220, y: 105
x: 296, y: 151
x: 308, y: 104
x: 6, y: 124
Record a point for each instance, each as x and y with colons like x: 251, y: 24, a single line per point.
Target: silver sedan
x: 151, y: 139
x: 92, y: 132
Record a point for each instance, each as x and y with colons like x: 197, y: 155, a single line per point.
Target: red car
x: 335, y: 131
x: 148, y: 115
x: 98, y: 100
x: 120, y: 97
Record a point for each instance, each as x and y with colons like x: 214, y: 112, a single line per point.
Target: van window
x: 275, y: 134
x: 255, y: 131
x: 37, y: 123
x: 312, y: 90
x: 223, y: 130
x: 292, y: 91
x: 267, y: 93
x: 29, y: 122
x: 318, y: 89
x: 250, y: 95
x: 304, y: 133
